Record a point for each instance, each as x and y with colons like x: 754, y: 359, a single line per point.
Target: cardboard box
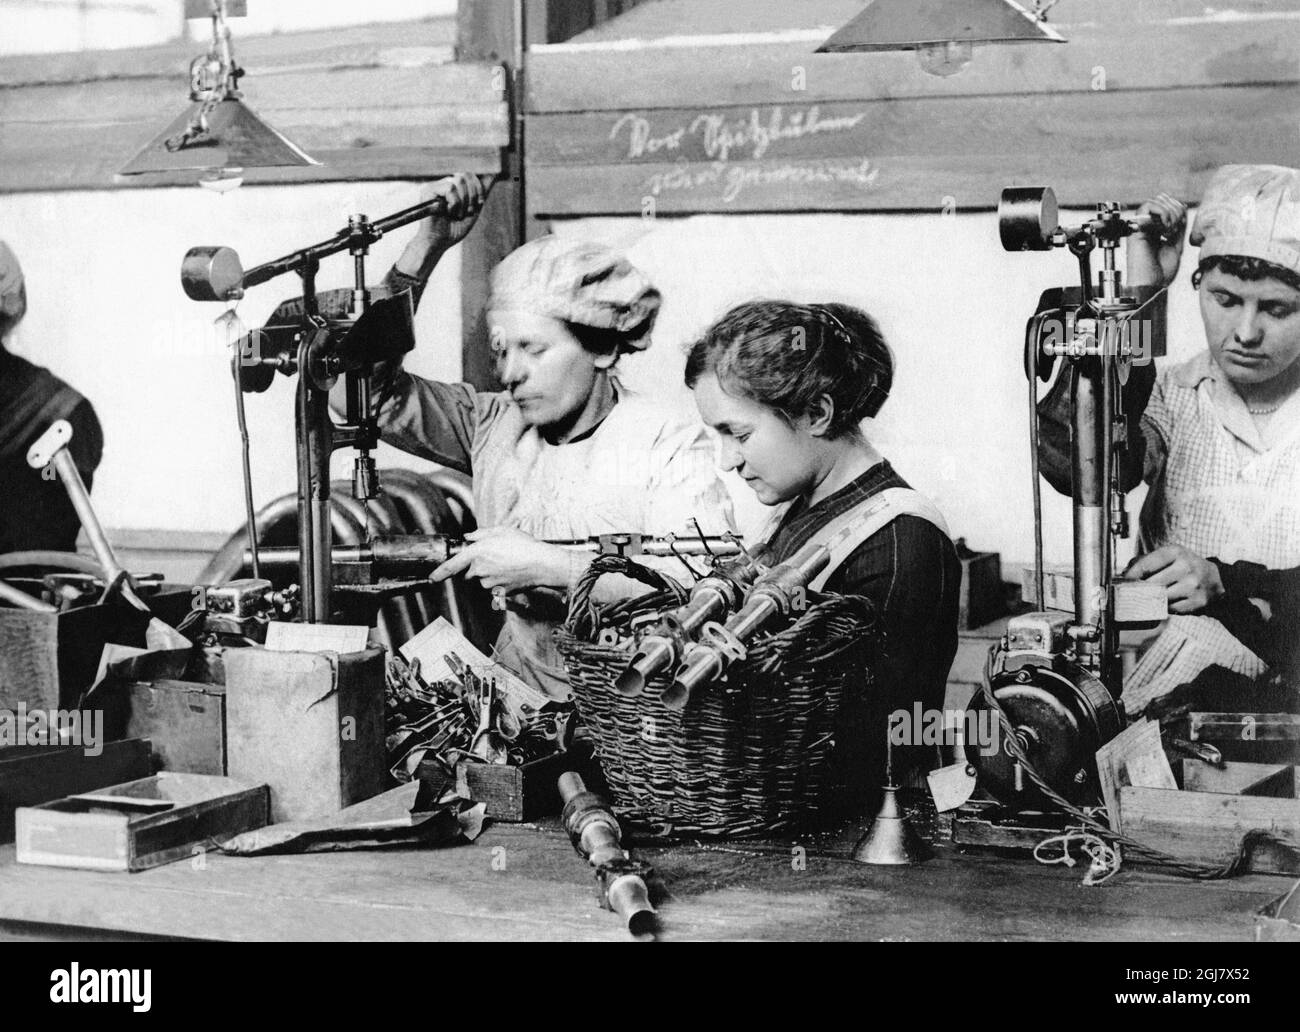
x: 140, y: 824
x: 309, y: 725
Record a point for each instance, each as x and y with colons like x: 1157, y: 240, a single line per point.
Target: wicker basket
x: 749, y: 754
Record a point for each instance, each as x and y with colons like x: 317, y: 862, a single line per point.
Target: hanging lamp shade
x: 236, y: 138
x: 917, y: 24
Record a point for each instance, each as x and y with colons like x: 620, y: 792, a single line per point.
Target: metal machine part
x: 664, y: 646
x: 320, y: 350
x: 1062, y: 714
x: 1057, y: 676
x: 51, y: 449
x: 414, y: 556
x: 780, y: 591
x: 244, y: 607
x: 594, y: 831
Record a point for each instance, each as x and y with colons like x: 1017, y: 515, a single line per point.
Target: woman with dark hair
x: 786, y: 387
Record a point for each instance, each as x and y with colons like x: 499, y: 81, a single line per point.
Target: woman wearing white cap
x: 1219, y: 440
x: 565, y: 451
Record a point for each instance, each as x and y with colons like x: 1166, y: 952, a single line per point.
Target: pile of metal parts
x: 693, y: 640
x: 444, y: 721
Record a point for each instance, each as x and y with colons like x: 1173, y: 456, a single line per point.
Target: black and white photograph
x: 651, y: 471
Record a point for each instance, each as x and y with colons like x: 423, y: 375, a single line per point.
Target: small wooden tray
x: 140, y: 824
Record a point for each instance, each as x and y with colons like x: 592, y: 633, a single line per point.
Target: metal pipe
x: 60, y: 560
x: 1091, y: 523
x: 10, y: 594
x: 419, y: 554
x: 343, y: 240
x: 52, y: 449
x: 710, y: 599
x: 426, y: 504
x: 594, y: 831
x: 773, y: 593
x: 455, y: 487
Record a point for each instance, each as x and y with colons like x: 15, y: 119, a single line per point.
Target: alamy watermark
x: 23, y: 726
x: 921, y: 726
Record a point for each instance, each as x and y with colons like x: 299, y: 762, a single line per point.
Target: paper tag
x: 1141, y: 603
x: 111, y: 654
x: 161, y: 637
x: 951, y: 786
x: 440, y: 638
x: 303, y: 637
x: 1133, y: 757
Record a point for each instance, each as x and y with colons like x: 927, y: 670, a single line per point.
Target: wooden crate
x: 1208, y: 826
x: 185, y: 721
x: 140, y: 824
x: 48, y: 659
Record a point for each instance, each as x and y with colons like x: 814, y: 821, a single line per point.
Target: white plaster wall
x: 107, y: 313
x: 951, y: 303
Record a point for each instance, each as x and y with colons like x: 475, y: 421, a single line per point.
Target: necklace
x: 1263, y: 411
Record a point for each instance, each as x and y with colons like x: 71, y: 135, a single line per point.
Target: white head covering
x: 1252, y: 211
x: 13, y: 294
x: 579, y: 282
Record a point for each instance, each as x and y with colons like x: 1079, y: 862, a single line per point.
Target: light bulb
x: 947, y: 58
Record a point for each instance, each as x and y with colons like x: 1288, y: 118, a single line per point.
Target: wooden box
x: 47, y: 660
x: 981, y: 597
x: 524, y: 793
x: 185, y: 721
x: 1252, y: 737
x: 309, y: 725
x: 140, y: 824
x: 1209, y: 826
x: 35, y: 774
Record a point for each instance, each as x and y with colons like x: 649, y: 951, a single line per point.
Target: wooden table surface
x: 525, y: 882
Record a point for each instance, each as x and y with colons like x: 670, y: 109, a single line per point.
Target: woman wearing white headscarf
x: 1219, y: 439
x: 565, y: 450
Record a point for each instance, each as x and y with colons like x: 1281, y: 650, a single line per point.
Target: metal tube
x: 80, y: 498
x: 245, y: 459
x: 341, y: 241
x: 59, y: 560
x: 1091, y: 523
x: 706, y: 661
x: 10, y: 594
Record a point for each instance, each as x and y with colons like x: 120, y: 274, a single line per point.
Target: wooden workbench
x: 525, y: 883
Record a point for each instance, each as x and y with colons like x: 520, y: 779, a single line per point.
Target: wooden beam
x: 373, y: 123
x: 1098, y: 58
x: 392, y: 44
x: 917, y: 155
x: 486, y: 31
